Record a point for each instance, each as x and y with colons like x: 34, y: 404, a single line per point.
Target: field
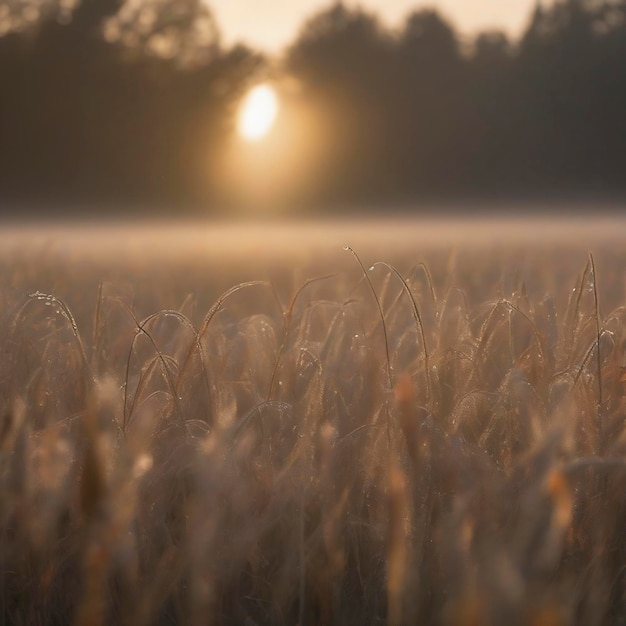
x: 252, y: 425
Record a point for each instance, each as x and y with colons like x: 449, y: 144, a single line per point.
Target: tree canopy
x: 132, y: 101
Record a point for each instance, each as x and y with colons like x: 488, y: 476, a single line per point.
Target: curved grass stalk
x: 63, y: 309
x: 422, y: 266
x: 184, y: 320
x: 573, y: 310
x: 588, y: 354
x: 598, y: 356
x: 488, y: 329
x: 144, y: 377
x: 242, y: 424
x: 287, y: 317
x: 380, y: 313
x: 162, y: 358
x: 418, y: 322
x: 208, y: 318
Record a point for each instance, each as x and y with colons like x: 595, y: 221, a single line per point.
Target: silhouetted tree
x: 342, y: 59
x: 563, y: 102
x: 181, y: 30
x: 89, y: 15
x: 430, y: 98
x: 430, y: 39
x: 132, y: 101
x: 491, y: 131
x: 22, y: 15
x: 339, y: 44
x: 121, y: 103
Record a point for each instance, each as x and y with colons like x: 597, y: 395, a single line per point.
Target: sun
x: 258, y: 113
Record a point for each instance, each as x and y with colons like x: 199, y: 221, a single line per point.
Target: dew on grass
x: 209, y: 493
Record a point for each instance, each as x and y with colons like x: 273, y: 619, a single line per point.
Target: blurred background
x: 186, y: 107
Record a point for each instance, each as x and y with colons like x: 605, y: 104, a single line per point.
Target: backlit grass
x: 442, y: 443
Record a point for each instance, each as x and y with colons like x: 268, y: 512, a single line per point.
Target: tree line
x: 131, y: 104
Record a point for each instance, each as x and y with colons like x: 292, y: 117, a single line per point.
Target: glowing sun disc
x: 258, y: 113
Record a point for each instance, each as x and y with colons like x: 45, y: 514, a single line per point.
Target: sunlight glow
x: 258, y: 113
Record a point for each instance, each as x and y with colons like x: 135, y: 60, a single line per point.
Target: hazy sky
x: 270, y: 24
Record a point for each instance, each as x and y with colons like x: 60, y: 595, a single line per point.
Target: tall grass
x: 377, y: 447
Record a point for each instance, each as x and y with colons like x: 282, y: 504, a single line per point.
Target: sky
x: 269, y: 25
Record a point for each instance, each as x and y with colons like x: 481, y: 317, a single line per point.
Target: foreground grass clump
x: 372, y: 449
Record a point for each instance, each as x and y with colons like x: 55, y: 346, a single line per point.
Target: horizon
x: 278, y: 25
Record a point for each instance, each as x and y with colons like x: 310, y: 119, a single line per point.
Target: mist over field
x: 213, y: 254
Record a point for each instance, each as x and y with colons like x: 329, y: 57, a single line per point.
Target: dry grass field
x: 241, y: 427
